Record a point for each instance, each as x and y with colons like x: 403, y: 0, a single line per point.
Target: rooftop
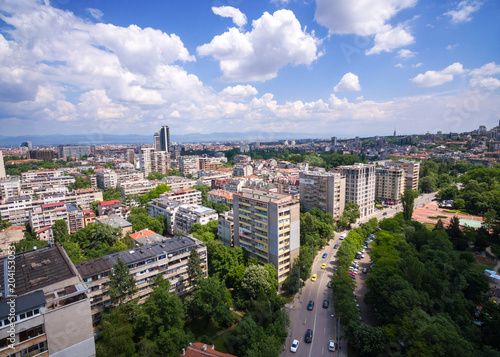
x: 109, y: 203
x: 37, y: 269
x: 264, y: 196
x: 142, y: 234
x: 199, y: 349
x: 94, y: 266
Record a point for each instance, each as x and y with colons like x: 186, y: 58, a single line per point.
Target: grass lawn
x: 437, y: 217
x: 429, y: 225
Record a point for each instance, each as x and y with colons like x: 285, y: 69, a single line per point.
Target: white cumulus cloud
x: 275, y: 41
x: 436, y: 78
x: 239, y: 91
x: 464, y: 11
x: 405, y: 53
x: 235, y: 14
x: 390, y: 38
x: 349, y: 82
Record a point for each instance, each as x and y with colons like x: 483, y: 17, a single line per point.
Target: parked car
x: 294, y: 346
x: 365, y: 270
x: 325, y: 304
x: 384, y: 214
x: 310, y: 306
x: 336, y: 246
x: 331, y: 345
x: 314, y: 277
x: 324, y: 255
x: 323, y: 266
x: 309, y: 335
x: 329, y: 285
x: 342, y: 236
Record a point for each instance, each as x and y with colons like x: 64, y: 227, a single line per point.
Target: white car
x: 331, y: 345
x: 294, y: 346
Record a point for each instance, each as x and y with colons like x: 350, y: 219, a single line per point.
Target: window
x: 35, y: 349
x: 30, y: 333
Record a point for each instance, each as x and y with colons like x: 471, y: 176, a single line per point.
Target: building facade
x: 189, y: 165
x: 52, y: 308
x: 267, y: 226
x: 360, y: 186
x: 73, y: 151
x: 168, y: 258
x: 106, y: 179
x: 2, y: 167
x: 390, y: 184
x: 225, y: 228
x: 323, y: 190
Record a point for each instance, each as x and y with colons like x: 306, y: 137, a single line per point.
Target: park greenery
x: 425, y: 292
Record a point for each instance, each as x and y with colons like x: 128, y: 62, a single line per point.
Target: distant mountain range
x: 99, y: 138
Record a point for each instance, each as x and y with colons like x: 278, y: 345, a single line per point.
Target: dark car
x: 324, y: 255
x: 310, y: 306
x: 325, y: 304
x: 336, y: 246
x: 309, y: 335
x: 365, y: 270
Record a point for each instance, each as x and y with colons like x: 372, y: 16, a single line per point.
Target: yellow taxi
x: 314, y: 277
x: 323, y: 266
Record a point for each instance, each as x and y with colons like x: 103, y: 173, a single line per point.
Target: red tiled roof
x: 48, y: 205
x: 109, y: 203
x: 14, y: 228
x: 142, y: 234
x: 196, y: 350
x: 41, y: 230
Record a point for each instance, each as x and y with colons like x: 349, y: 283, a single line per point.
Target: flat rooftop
x: 37, y: 269
x: 264, y: 196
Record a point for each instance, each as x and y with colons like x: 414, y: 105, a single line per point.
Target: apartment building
x: 360, y: 186
x: 129, y: 176
x: 323, y: 190
x: 47, y: 214
x: 390, y: 184
x: 106, y: 179
x: 73, y: 151
x: 139, y: 187
x: 267, y: 226
x: 187, y: 195
x: 37, y: 174
x: 210, y: 163
x: 16, y: 210
x: 177, y: 183
x: 221, y: 196
x: 115, y: 207
x: 188, y: 215
x: 189, y: 165
x: 151, y: 160
x: 10, y: 187
x: 225, y: 228
x: 412, y: 173
x: 83, y: 197
x: 168, y: 258
x: 242, y: 170
x: 76, y: 218
x: 52, y: 309
x: 180, y: 217
x: 242, y: 159
x: 2, y: 167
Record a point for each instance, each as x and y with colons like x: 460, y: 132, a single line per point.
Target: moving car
x: 336, y: 246
x: 325, y: 304
x: 310, y: 306
x: 309, y: 335
x: 294, y: 346
x: 324, y: 255
x: 314, y: 277
x: 331, y: 345
x: 365, y: 270
x: 323, y: 266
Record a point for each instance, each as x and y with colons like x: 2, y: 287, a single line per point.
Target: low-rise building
x: 221, y: 196
x: 116, y: 222
x: 114, y: 207
x: 12, y: 234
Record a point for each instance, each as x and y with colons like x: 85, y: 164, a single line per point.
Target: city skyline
x: 75, y: 67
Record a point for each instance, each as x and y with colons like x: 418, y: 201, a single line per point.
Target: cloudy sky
x: 330, y: 67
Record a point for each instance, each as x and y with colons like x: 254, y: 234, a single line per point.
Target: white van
x: 342, y: 236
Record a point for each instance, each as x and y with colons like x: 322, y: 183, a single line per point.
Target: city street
x: 321, y: 320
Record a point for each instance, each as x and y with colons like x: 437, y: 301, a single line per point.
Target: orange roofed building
x: 199, y: 349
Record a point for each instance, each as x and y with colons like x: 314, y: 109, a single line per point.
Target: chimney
x: 204, y: 347
x: 183, y: 353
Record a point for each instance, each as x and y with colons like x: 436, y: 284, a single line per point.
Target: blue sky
x: 328, y: 67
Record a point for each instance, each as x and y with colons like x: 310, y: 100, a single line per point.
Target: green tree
x: 94, y: 206
x: 111, y: 194
x: 121, y: 283
x: 116, y: 335
x: 210, y: 302
x: 427, y: 184
x: 195, y: 272
x: 4, y: 224
x: 408, y: 201
x: 80, y: 182
x: 351, y: 212
x: 60, y: 230
x: 254, y: 285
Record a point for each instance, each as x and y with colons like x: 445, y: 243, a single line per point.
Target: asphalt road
x: 322, y: 321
